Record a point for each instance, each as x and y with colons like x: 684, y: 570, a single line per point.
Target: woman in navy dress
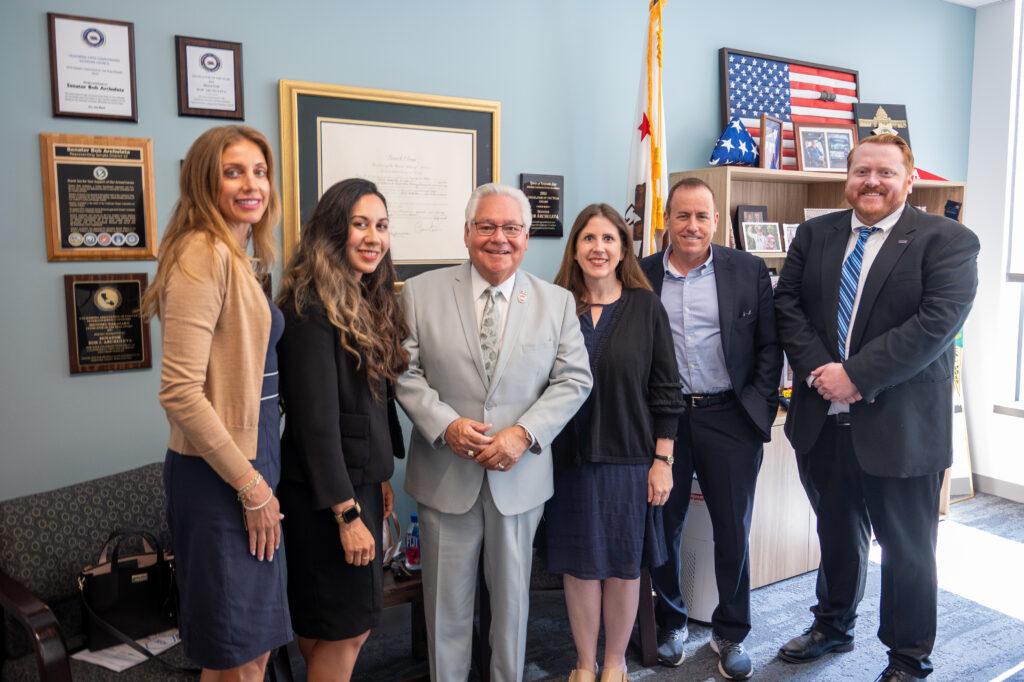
x: 219, y: 389
x: 340, y: 354
x: 613, y: 460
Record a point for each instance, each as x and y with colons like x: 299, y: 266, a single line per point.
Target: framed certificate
x: 209, y: 78
x: 92, y: 67
x: 98, y: 197
x: 106, y: 330
x: 426, y: 154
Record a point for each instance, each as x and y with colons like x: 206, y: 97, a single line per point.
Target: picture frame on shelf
x: 762, y: 237
x: 789, y: 233
x: 816, y: 212
x: 209, y: 78
x: 876, y: 119
x: 426, y: 153
x: 823, y: 147
x: 747, y: 214
x: 770, y: 143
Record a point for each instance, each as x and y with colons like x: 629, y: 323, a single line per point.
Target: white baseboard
x: 993, y: 486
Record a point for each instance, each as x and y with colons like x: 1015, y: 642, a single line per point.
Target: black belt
x: 708, y: 399
x: 841, y: 419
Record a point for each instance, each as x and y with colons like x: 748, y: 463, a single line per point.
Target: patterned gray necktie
x: 489, y: 333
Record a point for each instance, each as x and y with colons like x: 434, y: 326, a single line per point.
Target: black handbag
x: 127, y: 597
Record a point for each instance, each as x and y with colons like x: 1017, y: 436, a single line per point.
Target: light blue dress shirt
x: 692, y: 306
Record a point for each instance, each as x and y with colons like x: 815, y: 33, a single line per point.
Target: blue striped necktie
x: 848, y: 286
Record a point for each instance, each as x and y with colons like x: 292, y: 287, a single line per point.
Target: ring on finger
x: 470, y: 454
x: 501, y: 465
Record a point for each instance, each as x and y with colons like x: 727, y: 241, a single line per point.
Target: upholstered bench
x: 45, y: 540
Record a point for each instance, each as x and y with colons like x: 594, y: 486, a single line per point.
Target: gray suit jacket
x: 541, y: 379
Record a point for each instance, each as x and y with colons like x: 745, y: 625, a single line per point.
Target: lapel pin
x: 522, y: 296
x: 902, y: 241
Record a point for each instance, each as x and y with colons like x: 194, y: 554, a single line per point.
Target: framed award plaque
x: 98, y: 197
x: 106, y: 330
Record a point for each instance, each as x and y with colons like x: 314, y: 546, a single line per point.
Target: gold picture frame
x: 320, y: 121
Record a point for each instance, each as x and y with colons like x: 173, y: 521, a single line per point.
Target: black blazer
x: 746, y: 317
x: 636, y: 397
x: 336, y: 435
x: 915, y: 300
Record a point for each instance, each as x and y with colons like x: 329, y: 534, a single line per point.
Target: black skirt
x: 330, y: 598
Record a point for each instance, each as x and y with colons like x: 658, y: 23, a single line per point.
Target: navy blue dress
x: 599, y: 524
x: 232, y: 606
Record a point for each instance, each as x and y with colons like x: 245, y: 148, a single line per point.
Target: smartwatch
x: 350, y: 514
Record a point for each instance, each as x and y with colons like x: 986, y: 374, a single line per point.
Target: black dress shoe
x: 670, y: 646
x: 812, y: 645
x: 894, y: 674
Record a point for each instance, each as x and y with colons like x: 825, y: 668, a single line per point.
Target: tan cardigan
x: 216, y: 326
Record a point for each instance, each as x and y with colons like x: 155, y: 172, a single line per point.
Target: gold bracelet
x: 249, y: 486
x: 259, y: 506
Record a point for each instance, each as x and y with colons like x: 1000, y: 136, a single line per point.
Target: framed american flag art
x: 787, y: 89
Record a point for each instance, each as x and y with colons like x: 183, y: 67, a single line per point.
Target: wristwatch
x: 668, y: 459
x: 350, y: 514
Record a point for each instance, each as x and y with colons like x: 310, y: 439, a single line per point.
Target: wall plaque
x: 105, y: 326
x: 546, y: 193
x: 98, y: 197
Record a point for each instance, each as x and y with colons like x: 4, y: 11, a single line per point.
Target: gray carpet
x: 973, y: 642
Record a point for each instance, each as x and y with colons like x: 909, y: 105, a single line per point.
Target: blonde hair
x: 197, y: 211
x: 365, y: 311
x: 570, y: 275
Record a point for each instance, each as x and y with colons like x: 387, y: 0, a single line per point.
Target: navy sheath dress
x: 599, y: 524
x: 233, y: 607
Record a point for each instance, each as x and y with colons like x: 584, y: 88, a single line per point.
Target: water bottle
x: 412, y: 545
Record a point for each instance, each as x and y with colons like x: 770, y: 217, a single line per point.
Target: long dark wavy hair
x: 628, y: 271
x: 365, y: 310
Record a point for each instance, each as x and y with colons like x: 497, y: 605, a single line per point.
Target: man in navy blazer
x: 719, y: 303
x: 868, y: 304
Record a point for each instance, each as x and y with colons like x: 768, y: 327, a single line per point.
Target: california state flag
x: 648, y: 167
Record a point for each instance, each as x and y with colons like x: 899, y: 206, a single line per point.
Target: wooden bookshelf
x: 787, y: 193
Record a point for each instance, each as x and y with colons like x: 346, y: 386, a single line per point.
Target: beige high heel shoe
x: 611, y: 675
x: 578, y: 675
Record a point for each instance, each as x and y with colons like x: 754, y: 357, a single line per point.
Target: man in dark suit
x: 868, y: 305
x: 719, y: 303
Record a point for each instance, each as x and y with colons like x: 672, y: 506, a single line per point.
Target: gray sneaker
x: 733, y: 661
x: 670, y: 646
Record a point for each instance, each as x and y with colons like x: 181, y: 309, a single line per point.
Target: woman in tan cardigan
x: 219, y: 389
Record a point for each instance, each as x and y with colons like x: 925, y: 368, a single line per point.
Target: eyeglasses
x: 511, y: 231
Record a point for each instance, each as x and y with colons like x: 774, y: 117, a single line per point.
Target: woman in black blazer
x: 339, y: 355
x: 613, y: 460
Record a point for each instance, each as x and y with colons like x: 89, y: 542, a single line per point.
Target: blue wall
x: 565, y: 72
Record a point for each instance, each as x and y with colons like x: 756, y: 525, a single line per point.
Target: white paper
x: 211, y: 78
x: 426, y: 174
x: 122, y: 656
x: 93, y: 68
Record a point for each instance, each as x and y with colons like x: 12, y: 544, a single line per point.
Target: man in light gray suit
x: 497, y: 367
